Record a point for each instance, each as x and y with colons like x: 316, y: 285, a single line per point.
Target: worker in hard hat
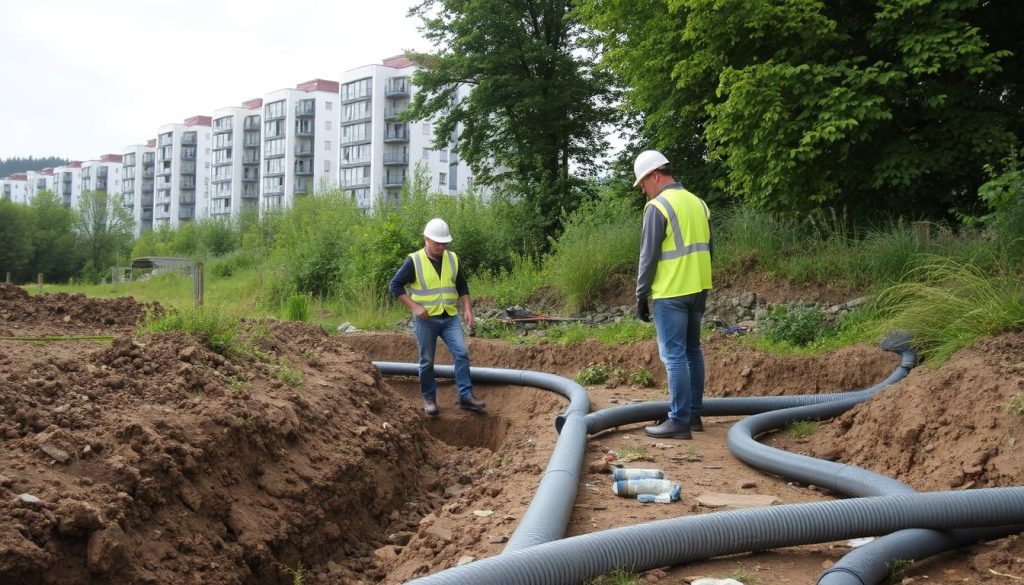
x: 431, y: 283
x: 675, y: 272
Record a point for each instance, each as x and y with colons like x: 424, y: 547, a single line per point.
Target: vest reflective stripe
x: 684, y: 261
x: 435, y: 292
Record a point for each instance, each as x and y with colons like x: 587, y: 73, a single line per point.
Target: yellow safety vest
x: 436, y: 293
x: 684, y: 264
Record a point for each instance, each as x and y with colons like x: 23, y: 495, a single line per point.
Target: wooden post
x: 8, y: 278
x: 197, y: 283
x: 922, y: 232
x: 40, y: 282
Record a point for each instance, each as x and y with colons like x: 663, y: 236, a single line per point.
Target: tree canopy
x: 799, y: 104
x: 537, y: 108
x: 105, y: 228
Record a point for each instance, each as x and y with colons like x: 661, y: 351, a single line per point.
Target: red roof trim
x: 319, y: 85
x: 199, y: 121
x: 253, y: 104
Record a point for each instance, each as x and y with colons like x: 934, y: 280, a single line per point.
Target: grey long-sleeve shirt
x: 651, y: 236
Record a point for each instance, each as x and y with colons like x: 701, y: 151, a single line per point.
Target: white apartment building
x: 378, y: 151
x: 38, y: 181
x: 67, y: 184
x: 138, y: 172
x: 15, y: 188
x: 182, y: 168
x: 103, y: 174
x: 300, y: 142
x: 235, y: 178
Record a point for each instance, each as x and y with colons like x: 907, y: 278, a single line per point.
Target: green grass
x: 801, y: 429
x: 296, y: 308
x: 618, y: 577
x: 208, y: 324
x: 947, y: 305
x: 1016, y: 405
x: 510, y: 287
x: 592, y: 374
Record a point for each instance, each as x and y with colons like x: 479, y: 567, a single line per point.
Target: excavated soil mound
x: 64, y: 314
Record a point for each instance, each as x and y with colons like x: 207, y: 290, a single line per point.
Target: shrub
x: 592, y: 374
x: 642, y: 377
x: 297, y: 308
x: 205, y: 323
x: 797, y: 326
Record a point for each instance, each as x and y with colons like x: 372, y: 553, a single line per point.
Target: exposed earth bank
x: 149, y: 458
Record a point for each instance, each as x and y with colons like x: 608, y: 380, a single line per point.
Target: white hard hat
x: 437, y: 230
x: 646, y: 162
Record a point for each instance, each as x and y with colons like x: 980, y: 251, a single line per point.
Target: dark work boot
x: 430, y: 407
x: 472, y: 403
x: 696, y: 424
x: 669, y: 430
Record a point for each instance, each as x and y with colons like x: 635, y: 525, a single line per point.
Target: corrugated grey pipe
x: 898, y: 343
x: 690, y: 538
x: 548, y: 514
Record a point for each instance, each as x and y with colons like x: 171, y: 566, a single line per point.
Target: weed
x: 801, y: 429
x: 618, y: 577
x: 289, y: 375
x: 693, y: 454
x: 493, y: 329
x: 505, y: 461
x: 1016, y: 405
x: 592, y: 374
x: 633, y: 453
x: 298, y: 574
x: 617, y: 376
x: 895, y: 569
x: 642, y: 378
x: 238, y: 382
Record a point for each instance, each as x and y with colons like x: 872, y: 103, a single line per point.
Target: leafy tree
x: 105, y: 228
x: 15, y: 238
x: 884, y: 104
x: 537, y: 106
x: 53, y: 237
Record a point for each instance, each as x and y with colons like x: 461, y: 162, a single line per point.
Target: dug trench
x: 149, y: 458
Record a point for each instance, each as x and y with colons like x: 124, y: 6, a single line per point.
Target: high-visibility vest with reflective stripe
x: 434, y: 292
x: 684, y: 264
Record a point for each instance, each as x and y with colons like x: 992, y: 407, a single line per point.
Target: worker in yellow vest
x: 675, y: 272
x: 431, y: 283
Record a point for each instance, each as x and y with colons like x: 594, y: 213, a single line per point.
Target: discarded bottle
x: 621, y: 473
x: 632, y: 487
x: 662, y: 498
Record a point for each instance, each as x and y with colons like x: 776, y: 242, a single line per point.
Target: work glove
x: 642, y: 312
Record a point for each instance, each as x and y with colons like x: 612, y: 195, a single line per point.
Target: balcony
x: 251, y: 141
x: 147, y: 158
x: 166, y: 140
x: 396, y: 158
x: 354, y: 182
x: 147, y: 173
x: 147, y: 186
x: 303, y: 149
x: 396, y: 135
x: 305, y: 109
x: 301, y: 187
x: 251, y: 123
x: 394, y: 179
x: 188, y: 139
x: 303, y: 129
x: 250, y: 174
x: 188, y: 154
x: 147, y: 201
x: 393, y: 113
x: 222, y: 125
x: 303, y: 170
x: 187, y: 183
x: 186, y: 213
x: 188, y: 168
x: 101, y: 184
x: 250, y: 192
x: 187, y: 198
x: 397, y: 87
x: 216, y: 180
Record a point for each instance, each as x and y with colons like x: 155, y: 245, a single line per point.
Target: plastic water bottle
x: 663, y: 498
x: 632, y: 487
x: 620, y: 473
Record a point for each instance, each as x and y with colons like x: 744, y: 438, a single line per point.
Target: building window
x: 275, y: 109
x: 442, y: 179
x: 355, y: 90
x: 327, y: 144
x: 426, y: 128
x: 327, y: 125
x: 329, y: 106
x: 327, y: 166
x: 426, y: 153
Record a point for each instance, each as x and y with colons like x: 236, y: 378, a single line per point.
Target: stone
x: 440, y: 532
x: 57, y: 454
x: 735, y: 501
x: 76, y: 517
x: 464, y: 560
x: 498, y: 539
x: 385, y: 556
x: 104, y: 550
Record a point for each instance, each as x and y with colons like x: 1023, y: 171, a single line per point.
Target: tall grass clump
x: 601, y: 238
x: 947, y: 305
x: 205, y: 323
x: 513, y: 286
x: 744, y: 232
x: 296, y: 308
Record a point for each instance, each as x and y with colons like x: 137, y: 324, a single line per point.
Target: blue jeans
x: 449, y: 329
x: 677, y: 321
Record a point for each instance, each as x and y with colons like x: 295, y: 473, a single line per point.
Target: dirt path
x: 152, y: 459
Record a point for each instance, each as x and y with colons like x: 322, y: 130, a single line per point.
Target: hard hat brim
x: 440, y: 239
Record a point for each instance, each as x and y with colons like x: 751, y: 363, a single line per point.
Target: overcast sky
x: 82, y: 79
